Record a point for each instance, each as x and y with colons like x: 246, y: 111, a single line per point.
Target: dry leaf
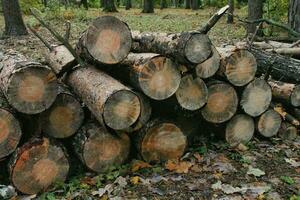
x: 137, y: 165
x: 88, y: 181
x: 178, y: 167
x: 104, y: 197
x: 198, y: 157
x: 135, y: 180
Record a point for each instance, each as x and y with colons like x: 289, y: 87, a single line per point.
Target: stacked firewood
x: 151, y: 91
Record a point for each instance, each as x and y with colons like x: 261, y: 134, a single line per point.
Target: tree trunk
x: 148, y: 6
x: 222, y: 103
x: 256, y: 97
x: 64, y: 117
x: 294, y: 15
x: 128, y: 4
x: 37, y: 165
x: 187, y: 48
x: 230, y: 12
x: 109, y: 6
x: 112, y: 103
x: 255, y: 12
x: 85, y: 4
x: 102, y: 3
x: 107, y: 41
x: 14, y: 25
x: 187, y: 4
x: 10, y: 129
x: 269, y: 123
x: 28, y: 86
x: 98, y: 149
x: 163, y: 4
x: 195, y: 4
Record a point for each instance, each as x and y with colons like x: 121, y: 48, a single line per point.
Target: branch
x: 40, y: 37
x: 68, y: 30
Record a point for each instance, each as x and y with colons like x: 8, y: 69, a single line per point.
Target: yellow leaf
x: 135, y: 180
x: 178, y: 167
x: 104, y: 197
x: 137, y: 165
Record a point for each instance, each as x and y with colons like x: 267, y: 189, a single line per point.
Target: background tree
x: 163, y: 4
x: 109, y: 6
x: 230, y: 11
x: 128, y: 4
x: 255, y: 11
x: 187, y: 4
x: 195, y: 4
x: 148, y: 6
x: 294, y: 14
x: 14, y: 24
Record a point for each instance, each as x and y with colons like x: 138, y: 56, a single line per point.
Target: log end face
x: 288, y: 131
x: 210, y: 66
x: 269, y: 123
x: 295, y: 96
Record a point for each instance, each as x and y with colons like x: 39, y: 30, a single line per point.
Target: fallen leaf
x: 88, y: 181
x: 178, y: 167
x: 137, y: 165
x: 135, y: 180
x: 292, y: 162
x: 198, y: 157
x: 255, y: 171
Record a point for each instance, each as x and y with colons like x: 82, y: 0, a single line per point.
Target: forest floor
x: 263, y: 169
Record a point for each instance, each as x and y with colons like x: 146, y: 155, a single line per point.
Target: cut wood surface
x: 239, y: 129
x: 161, y: 141
x: 37, y: 165
x: 28, y: 86
x: 285, y: 115
x: 287, y: 131
x: 269, y: 123
x: 192, y: 93
x: 98, y: 149
x: 106, y: 41
x: 186, y: 48
x: 112, y: 103
x: 64, y: 117
x: 256, y: 97
x: 222, y: 103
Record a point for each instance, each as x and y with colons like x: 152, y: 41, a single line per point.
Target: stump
x: 160, y: 141
x: 240, y: 129
x: 106, y: 41
x: 256, y: 97
x: 192, y: 93
x: 29, y: 87
x: 222, y: 103
x: 64, y: 117
x: 269, y: 123
x: 287, y: 131
x: 112, y: 103
x: 37, y: 165
x: 209, y: 67
x: 98, y: 149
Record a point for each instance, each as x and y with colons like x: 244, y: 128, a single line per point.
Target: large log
x: 256, y: 97
x: 64, y: 117
x: 98, y: 149
x: 112, y: 103
x: 38, y: 164
x: 160, y: 141
x: 28, y: 86
x: 287, y: 131
x: 269, y: 123
x: 187, y: 47
x: 106, y: 41
x: 222, y: 103
x: 10, y: 129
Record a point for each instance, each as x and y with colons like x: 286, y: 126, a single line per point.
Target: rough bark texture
x: 255, y: 12
x: 14, y: 25
x: 112, y: 103
x: 107, y: 41
x: 256, y: 97
x: 269, y: 123
x: 240, y: 129
x: 287, y: 131
x: 100, y: 150
x: 28, y: 86
x: 37, y: 165
x: 187, y: 47
x: 294, y: 15
x: 148, y: 6
x: 222, y: 103
x: 64, y: 117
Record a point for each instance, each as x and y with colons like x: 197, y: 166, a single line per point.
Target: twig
x: 68, y: 30
x: 255, y: 33
x: 295, y: 43
x: 40, y: 37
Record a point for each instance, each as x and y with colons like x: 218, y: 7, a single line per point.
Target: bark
x: 269, y: 123
x: 98, y: 149
x: 14, y: 25
x: 148, y: 6
x: 294, y: 15
x: 195, y: 4
x: 287, y: 131
x: 255, y: 12
x: 106, y: 41
x: 222, y: 103
x: 230, y: 12
x: 64, y: 117
x: 28, y: 86
x: 112, y: 103
x: 109, y: 6
x: 187, y: 4
x: 188, y: 48
x: 37, y: 165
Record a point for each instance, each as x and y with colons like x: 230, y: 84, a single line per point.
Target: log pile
x: 150, y: 93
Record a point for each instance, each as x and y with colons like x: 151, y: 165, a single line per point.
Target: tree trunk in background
x: 128, y: 4
x: 102, y: 3
x: 187, y: 4
x: 14, y: 25
x: 85, y: 4
x: 294, y: 15
x: 109, y: 6
x: 230, y: 12
x: 45, y: 2
x: 255, y: 11
x: 148, y: 6
x: 163, y: 4
x: 195, y: 4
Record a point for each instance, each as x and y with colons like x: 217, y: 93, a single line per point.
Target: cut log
x: 187, y: 47
x: 10, y: 129
x: 256, y: 97
x: 239, y: 129
x: 238, y: 66
x: 209, y: 67
x: 286, y: 116
x: 98, y: 149
x: 64, y: 117
x: 160, y: 141
x: 28, y: 86
x: 287, y: 131
x: 107, y: 41
x: 156, y: 76
x: 222, y: 103
x: 287, y: 92
x: 37, y: 165
x: 112, y: 103
x: 192, y: 93
x: 269, y: 123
